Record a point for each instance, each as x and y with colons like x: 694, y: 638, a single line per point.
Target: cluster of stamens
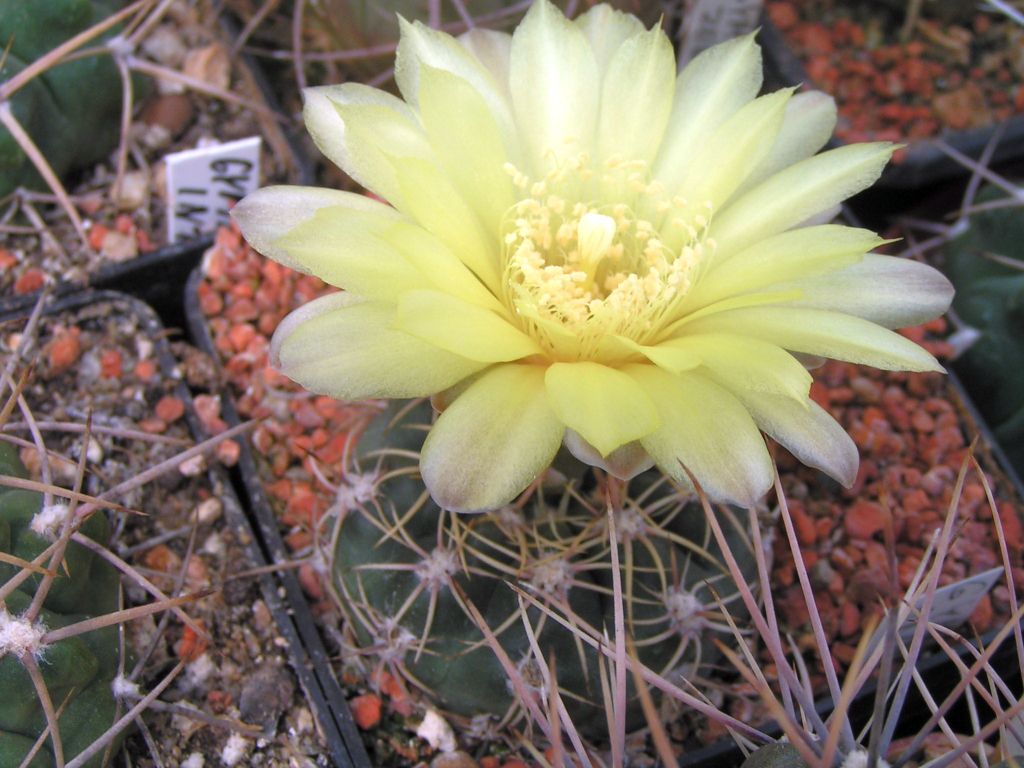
x: 585, y: 270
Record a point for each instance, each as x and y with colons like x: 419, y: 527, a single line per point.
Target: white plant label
x: 708, y: 22
x: 952, y: 606
x: 202, y: 184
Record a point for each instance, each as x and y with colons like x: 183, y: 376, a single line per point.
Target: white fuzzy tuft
x: 195, y: 760
x: 20, y: 636
x: 124, y: 688
x: 436, y: 732
x: 859, y: 759
x: 47, y: 521
x: 234, y: 750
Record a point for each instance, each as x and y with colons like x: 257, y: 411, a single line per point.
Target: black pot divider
x: 291, y: 608
x: 924, y: 163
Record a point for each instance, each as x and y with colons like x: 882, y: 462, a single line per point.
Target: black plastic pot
x: 325, y: 696
x: 924, y: 163
x: 293, y: 621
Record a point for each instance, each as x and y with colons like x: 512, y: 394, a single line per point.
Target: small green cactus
x: 72, y: 111
x: 78, y: 671
x: 397, y: 557
x: 983, y: 261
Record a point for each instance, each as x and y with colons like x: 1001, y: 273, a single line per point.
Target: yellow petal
x: 819, y: 332
x: 806, y: 127
x: 463, y: 328
x: 467, y: 142
x: 268, y: 214
x: 492, y: 49
x: 358, y: 128
x: 807, y: 431
x: 636, y: 97
x: 555, y: 88
x: 738, y: 146
x: 671, y: 357
x: 380, y: 257
x: 605, y: 406
x: 891, y: 291
x: 342, y: 346
x: 420, y: 46
x: 492, y: 442
x: 791, y: 255
x: 739, y: 362
x: 624, y: 462
x: 431, y: 200
x: 709, y: 90
x: 606, y: 29
x: 795, y: 194
x: 707, y: 431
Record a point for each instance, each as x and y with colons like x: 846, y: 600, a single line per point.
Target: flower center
x: 589, y: 255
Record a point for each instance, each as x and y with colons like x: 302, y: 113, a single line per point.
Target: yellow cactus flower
x: 583, y: 247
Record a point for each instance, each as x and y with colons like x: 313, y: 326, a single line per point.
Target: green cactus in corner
x: 404, y: 570
x: 78, y: 671
x: 72, y: 111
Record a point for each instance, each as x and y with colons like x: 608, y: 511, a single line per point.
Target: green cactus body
x: 65, y: 104
x: 78, y: 671
x: 396, y: 555
x: 990, y: 298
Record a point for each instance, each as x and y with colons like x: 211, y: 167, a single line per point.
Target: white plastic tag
x: 203, y: 182
x: 708, y: 22
x: 952, y: 606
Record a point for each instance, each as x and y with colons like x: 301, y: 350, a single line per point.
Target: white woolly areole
x: 195, y: 760
x: 859, y: 759
x: 20, y: 636
x: 48, y: 520
x: 436, y: 732
x: 234, y: 750
x: 359, y: 489
x: 123, y: 688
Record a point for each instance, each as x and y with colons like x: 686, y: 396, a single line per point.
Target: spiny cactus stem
x: 945, y: 538
x: 523, y: 696
x: 67, y: 527
x: 118, y: 617
x: 102, y: 501
x: 93, y: 503
x: 613, y: 498
x: 25, y: 573
x: 557, y: 713
x: 824, y: 653
x: 1004, y: 552
x: 96, y: 429
x: 42, y: 166
x: 140, y: 26
x: 28, y: 661
x: 589, y: 635
x: 235, y: 726
x: 39, y: 225
x: 164, y: 73
x: 86, y: 754
x: 798, y: 737
x: 773, y: 643
x: 138, y: 578
x: 9, y: 87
